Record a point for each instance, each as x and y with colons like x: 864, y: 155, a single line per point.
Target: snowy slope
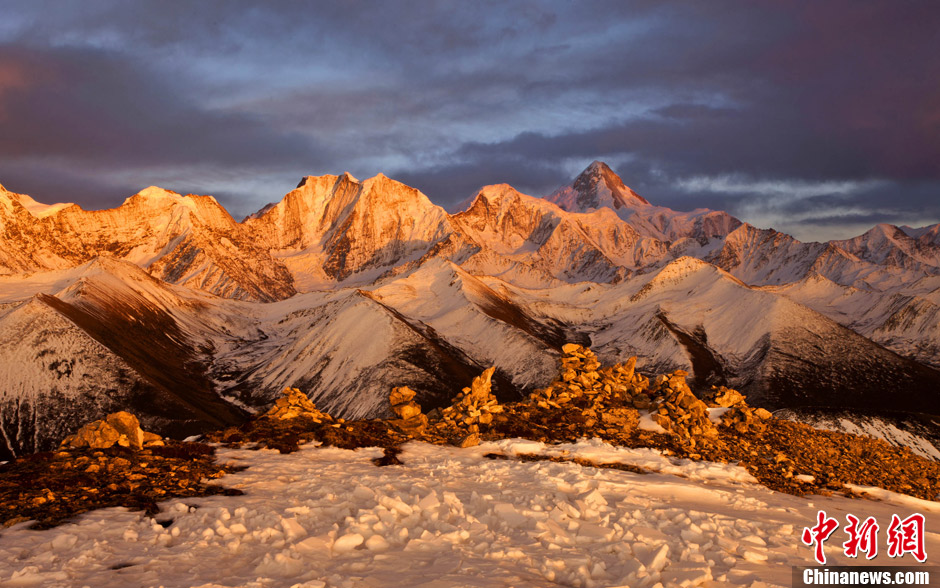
x: 339, y: 229
x: 103, y: 337
x: 695, y: 316
x: 449, y: 517
x: 492, y: 328
x: 599, y: 187
x: 905, y: 318
x: 188, y: 240
x: 345, y: 351
x: 52, y: 375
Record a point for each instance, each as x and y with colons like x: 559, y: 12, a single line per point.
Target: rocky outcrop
x: 295, y: 404
x: 119, y: 428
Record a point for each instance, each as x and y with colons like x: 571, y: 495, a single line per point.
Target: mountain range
x: 169, y: 307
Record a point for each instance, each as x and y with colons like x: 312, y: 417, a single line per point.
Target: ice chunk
x: 311, y: 545
x: 376, y: 543
x: 293, y: 529
x: 509, y: 514
x: 396, y: 505
x: 63, y: 542
x: 348, y: 542
x: 592, y: 532
x: 658, y: 559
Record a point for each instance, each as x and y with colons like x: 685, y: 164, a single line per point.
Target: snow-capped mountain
x: 187, y: 240
x: 338, y: 229
x: 101, y: 337
x: 345, y: 288
x: 599, y: 187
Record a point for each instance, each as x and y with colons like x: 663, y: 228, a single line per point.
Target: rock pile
x: 680, y: 412
x: 53, y: 487
x: 410, y: 418
x: 587, y: 385
x: 740, y: 417
x: 605, y: 396
x: 472, y: 407
x: 119, y: 428
x: 743, y: 419
x: 725, y: 397
x: 295, y: 404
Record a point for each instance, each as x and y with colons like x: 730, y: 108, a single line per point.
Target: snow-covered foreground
x: 450, y: 517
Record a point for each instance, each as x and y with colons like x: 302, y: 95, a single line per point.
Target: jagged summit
x: 598, y: 177
x: 597, y: 187
x: 312, y: 180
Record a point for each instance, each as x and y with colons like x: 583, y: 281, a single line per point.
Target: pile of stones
x: 410, y: 418
x: 295, y: 404
x: 606, y: 397
x: 584, y: 383
x: 52, y: 487
x: 117, y: 429
x: 679, y: 411
x: 472, y: 408
x: 740, y: 417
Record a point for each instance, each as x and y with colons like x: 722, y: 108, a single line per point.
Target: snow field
x: 448, y: 517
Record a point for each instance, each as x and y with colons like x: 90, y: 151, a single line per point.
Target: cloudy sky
x: 817, y: 118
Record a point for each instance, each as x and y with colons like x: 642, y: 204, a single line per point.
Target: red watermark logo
x: 903, y: 536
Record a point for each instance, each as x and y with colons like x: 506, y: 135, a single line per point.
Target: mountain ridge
x: 345, y: 288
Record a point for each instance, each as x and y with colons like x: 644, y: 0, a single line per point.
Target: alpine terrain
x: 168, y: 307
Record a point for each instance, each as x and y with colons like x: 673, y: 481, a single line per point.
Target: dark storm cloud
x: 692, y: 102
x: 454, y: 184
x: 94, y: 106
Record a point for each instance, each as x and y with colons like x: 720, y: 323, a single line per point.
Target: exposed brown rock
x: 51, y: 488
x: 119, y: 428
x: 726, y: 397
x: 680, y: 412
x: 129, y: 427
x: 473, y: 408
x: 294, y: 404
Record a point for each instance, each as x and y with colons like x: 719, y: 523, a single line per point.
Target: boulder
x: 128, y: 426
x: 119, y: 428
x: 96, y: 435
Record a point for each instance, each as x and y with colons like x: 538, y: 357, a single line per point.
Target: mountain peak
x: 596, y: 187
x: 156, y: 192
x: 597, y: 166
x: 155, y: 195
x: 598, y: 183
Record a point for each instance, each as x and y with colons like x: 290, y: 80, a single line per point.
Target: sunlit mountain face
x: 169, y: 306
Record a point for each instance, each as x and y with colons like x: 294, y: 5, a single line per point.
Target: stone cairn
x: 607, y: 399
x: 679, y: 411
x: 473, y: 407
x: 119, y: 428
x: 740, y: 417
x: 605, y: 395
x: 410, y: 418
x: 294, y: 404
